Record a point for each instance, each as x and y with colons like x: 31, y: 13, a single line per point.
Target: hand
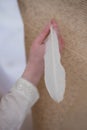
x: 35, y: 66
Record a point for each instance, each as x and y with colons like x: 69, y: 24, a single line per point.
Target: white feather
x: 54, y: 71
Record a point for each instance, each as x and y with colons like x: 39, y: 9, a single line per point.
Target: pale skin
x: 35, y: 66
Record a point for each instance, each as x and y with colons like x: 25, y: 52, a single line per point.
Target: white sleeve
x: 14, y: 105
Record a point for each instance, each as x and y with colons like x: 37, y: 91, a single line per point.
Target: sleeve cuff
x: 27, y: 89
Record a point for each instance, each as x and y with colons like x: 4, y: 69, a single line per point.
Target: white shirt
x: 15, y: 105
x: 12, y: 48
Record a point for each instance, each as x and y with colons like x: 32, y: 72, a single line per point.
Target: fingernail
x: 53, y: 21
x: 54, y: 24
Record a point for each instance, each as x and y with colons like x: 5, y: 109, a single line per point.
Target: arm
x: 23, y: 95
x: 14, y: 106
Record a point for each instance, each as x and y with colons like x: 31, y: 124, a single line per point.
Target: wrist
x: 31, y: 74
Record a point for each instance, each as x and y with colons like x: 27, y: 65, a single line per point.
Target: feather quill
x: 54, y: 74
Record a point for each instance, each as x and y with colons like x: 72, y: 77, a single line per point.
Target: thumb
x: 61, y: 41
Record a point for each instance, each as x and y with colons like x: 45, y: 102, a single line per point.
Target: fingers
x: 55, y: 26
x: 40, y: 39
x: 61, y: 42
x: 42, y: 36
